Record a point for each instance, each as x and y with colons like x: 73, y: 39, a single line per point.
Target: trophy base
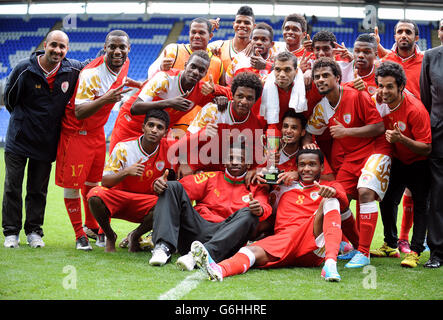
x: 271, y: 178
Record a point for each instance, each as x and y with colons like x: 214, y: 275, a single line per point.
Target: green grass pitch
x: 60, y: 272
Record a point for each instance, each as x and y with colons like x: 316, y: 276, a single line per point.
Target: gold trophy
x: 273, y: 145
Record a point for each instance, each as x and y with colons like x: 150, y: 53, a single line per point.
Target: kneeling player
x: 126, y: 192
x: 307, y: 228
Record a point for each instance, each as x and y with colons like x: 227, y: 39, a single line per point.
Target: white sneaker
x: 160, y: 255
x: 186, y: 262
x: 11, y: 241
x: 205, y: 262
x: 35, y: 240
x: 101, y: 240
x: 82, y: 243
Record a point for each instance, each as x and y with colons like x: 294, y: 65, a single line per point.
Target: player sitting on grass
x: 307, y: 228
x: 127, y: 185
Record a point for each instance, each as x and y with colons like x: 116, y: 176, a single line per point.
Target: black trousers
x: 178, y: 224
x: 36, y: 190
x: 435, y: 225
x: 415, y: 177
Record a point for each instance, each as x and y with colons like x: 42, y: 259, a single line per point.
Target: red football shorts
x: 80, y: 158
x: 125, y: 205
x: 293, y: 247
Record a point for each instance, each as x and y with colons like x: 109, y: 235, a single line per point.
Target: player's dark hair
x: 203, y: 21
x: 246, y: 11
x: 295, y: 17
x: 291, y: 113
x: 366, y: 37
x: 324, y: 62
x: 318, y: 152
x: 324, y: 35
x: 391, y: 69
x: 202, y: 54
x: 265, y: 26
x: 416, y: 30
x: 286, y: 56
x: 248, y: 80
x: 116, y: 33
x: 159, y: 114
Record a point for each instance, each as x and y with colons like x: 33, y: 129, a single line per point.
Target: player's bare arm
x: 87, y: 109
x: 370, y: 130
x: 179, y: 103
x: 394, y: 136
x: 111, y: 180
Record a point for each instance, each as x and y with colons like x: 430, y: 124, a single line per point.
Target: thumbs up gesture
x: 395, y: 135
x: 338, y: 130
x: 358, y: 82
x: 208, y: 86
x: 166, y: 62
x: 307, y: 43
x: 255, y: 206
x: 136, y: 169
x: 160, y: 184
x: 325, y: 191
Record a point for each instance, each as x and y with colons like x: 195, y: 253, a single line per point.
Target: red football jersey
x: 219, y: 195
x: 414, y: 122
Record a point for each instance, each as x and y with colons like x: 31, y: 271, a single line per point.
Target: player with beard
x: 306, y: 234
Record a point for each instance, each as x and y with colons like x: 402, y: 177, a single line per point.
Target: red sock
x: 332, y: 229
x: 408, y: 217
x: 368, y: 223
x: 237, y: 264
x: 349, y: 228
x: 90, y: 221
x: 74, y: 209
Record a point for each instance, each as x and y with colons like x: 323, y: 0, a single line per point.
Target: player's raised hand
x: 287, y: 177
x: 136, y: 169
x: 257, y: 61
x: 338, y: 130
x: 160, y: 184
x: 376, y: 35
x: 342, y: 51
x: 255, y: 206
x: 304, y: 61
x: 215, y: 23
x: 358, y: 82
x: 116, y: 94
x: 180, y: 102
x: 211, y: 129
x: 325, y: 191
x: 166, y: 62
x: 393, y: 136
x: 208, y: 86
x: 307, y: 43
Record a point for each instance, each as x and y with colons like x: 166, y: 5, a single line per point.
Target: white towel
x: 270, y: 106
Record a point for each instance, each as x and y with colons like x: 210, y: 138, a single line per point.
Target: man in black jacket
x: 431, y: 89
x: 36, y: 93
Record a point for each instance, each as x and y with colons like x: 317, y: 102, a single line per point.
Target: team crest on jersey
x: 372, y: 90
x: 347, y: 118
x: 401, y: 125
x: 65, y: 86
x: 245, y: 198
x: 160, y: 165
x: 365, y: 178
x: 314, y: 195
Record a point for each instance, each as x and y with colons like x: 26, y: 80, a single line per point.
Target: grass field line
x: 183, y: 288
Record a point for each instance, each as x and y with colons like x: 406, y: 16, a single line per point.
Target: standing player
x: 294, y: 30
x: 307, y: 229
x: 355, y: 124
x: 259, y: 59
x: 82, y: 148
x: 407, y: 54
x: 176, y: 91
x: 126, y: 191
x: 243, y: 24
x: 408, y: 129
